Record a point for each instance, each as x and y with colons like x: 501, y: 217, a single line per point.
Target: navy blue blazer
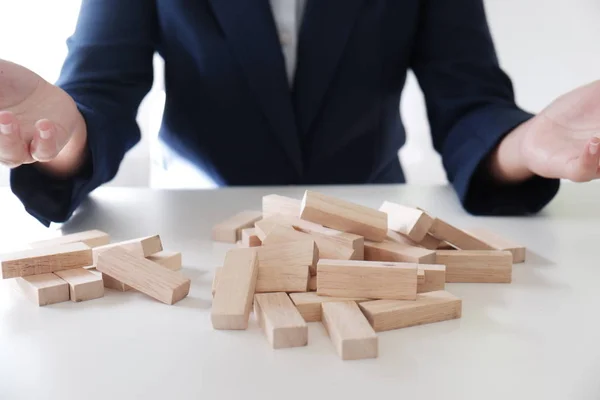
x: 230, y: 110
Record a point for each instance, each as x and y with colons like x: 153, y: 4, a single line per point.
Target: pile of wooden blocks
x: 79, y: 266
x: 357, y: 270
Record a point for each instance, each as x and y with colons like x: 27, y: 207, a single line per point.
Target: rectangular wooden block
x: 429, y: 242
x: 456, y: 237
x: 343, y: 215
x: 44, y: 260
x: 385, y: 315
x: 44, y: 289
x: 280, y: 320
x: 234, y: 290
x: 498, y: 242
x: 274, y: 204
x: 349, y: 331
x: 169, y: 259
x: 369, y: 279
x: 309, y: 304
x: 476, y: 266
x: 141, y: 247
x: 284, y: 234
x: 435, y: 278
x: 230, y: 230
x: 144, y: 275
x: 92, y: 238
x: 83, y: 284
x: 389, y: 250
x: 114, y: 284
x: 303, y: 253
x: 288, y: 279
x: 250, y: 238
x: 409, y: 221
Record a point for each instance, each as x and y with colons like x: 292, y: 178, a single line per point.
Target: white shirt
x: 288, y: 18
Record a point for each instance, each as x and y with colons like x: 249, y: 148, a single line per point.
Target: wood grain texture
x: 393, y: 251
x: 309, y: 304
x: 169, y: 259
x: 435, y: 278
x: 456, y: 237
x: 274, y: 204
x: 476, y: 266
x: 284, y: 234
x: 83, y: 284
x: 141, y: 247
x: 230, y: 230
x: 370, y: 279
x: 234, y: 290
x: 303, y: 253
x: 385, y: 315
x: 497, y: 242
x: 144, y: 275
x: 280, y: 321
x: 287, y: 279
x: 43, y: 289
x: 409, y: 221
x: 114, y: 284
x: 349, y: 331
x: 344, y: 216
x: 92, y: 238
x: 44, y: 260
x: 250, y: 238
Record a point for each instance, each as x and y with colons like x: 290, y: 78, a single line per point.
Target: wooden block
x: 429, y: 242
x: 112, y: 283
x: 312, y: 284
x: 476, y: 266
x: 303, y: 253
x: 44, y: 289
x: 349, y: 330
x: 309, y: 304
x: 420, y: 278
x: 343, y: 215
x: 284, y: 234
x: 140, y: 247
x: 434, y: 278
x: 280, y: 320
x: 456, y: 237
x: 385, y: 315
x: 144, y: 275
x: 409, y: 221
x: 498, y: 242
x: 397, y: 252
x: 169, y: 259
x: 250, y: 238
x: 369, y: 279
x: 230, y: 230
x: 288, y: 279
x: 83, y: 284
x: 44, y: 260
x: 93, y: 238
x: 234, y: 290
x: 274, y: 204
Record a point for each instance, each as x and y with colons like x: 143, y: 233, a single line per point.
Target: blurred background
x: 548, y: 47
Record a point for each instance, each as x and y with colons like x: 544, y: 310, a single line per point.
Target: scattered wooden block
x: 114, y: 284
x: 280, y: 320
x: 169, y: 259
x: 289, y: 279
x: 409, y: 221
x: 349, y: 330
x: 83, y: 284
x: 389, y: 250
x: 44, y: 289
x: 498, y: 242
x: 93, y: 238
x: 369, y: 279
x: 476, y: 266
x: 284, y: 234
x: 274, y: 204
x: 435, y: 278
x: 429, y: 242
x: 250, y: 238
x: 230, y: 230
x: 312, y: 284
x: 309, y: 304
x: 144, y: 275
x: 343, y: 215
x: 456, y: 237
x: 234, y: 290
x: 44, y: 260
x: 303, y: 253
x: 385, y: 315
x: 263, y: 226
x: 420, y: 278
x: 141, y: 247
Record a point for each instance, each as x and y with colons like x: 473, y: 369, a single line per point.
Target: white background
x: 547, y: 47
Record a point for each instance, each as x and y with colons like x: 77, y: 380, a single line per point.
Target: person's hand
x: 563, y: 141
x: 39, y: 122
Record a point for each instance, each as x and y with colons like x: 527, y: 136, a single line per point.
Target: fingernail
x: 6, y: 129
x: 45, y: 134
x: 593, y: 147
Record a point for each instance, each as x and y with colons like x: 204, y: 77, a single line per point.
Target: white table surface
x: 536, y: 338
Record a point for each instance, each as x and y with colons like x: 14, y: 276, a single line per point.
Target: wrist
x: 506, y: 163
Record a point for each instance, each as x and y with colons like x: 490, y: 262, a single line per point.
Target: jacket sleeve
x: 107, y: 72
x: 470, y: 106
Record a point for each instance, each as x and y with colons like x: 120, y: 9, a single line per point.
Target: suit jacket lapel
x: 250, y: 31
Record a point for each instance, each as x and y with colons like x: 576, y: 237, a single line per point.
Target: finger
x: 13, y: 151
x: 44, y: 146
x: 585, y: 167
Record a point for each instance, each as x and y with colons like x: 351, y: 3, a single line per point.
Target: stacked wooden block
x: 79, y: 266
x: 356, y: 270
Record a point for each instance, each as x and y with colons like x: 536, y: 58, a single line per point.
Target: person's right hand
x: 39, y: 122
